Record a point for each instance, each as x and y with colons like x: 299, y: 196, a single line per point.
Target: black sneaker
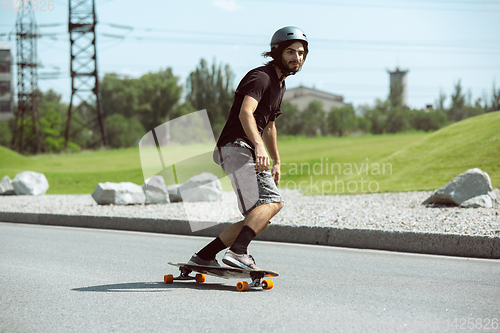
x: 195, y: 260
x: 243, y: 261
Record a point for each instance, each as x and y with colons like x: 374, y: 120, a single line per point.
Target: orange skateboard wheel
x: 168, y: 278
x: 242, y: 286
x: 267, y: 284
x: 200, y: 278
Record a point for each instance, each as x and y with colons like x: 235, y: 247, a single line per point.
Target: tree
x: 119, y: 95
x: 53, y: 115
x: 123, y: 132
x: 290, y: 121
x: 5, y: 133
x: 457, y: 103
x: 313, y: 119
x: 364, y: 125
x: 457, y: 99
x: 440, y: 101
x: 342, y: 121
x: 428, y: 120
x: 181, y: 109
x: 211, y: 89
x: 398, y: 120
x: 495, y: 99
x: 461, y: 107
x: 52, y: 126
x: 158, y: 94
x: 150, y: 98
x: 53, y: 120
x: 377, y: 121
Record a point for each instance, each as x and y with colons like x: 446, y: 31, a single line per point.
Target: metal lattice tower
x: 27, y: 83
x: 84, y: 79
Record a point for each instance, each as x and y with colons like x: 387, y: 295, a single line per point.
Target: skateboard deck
x: 223, y: 272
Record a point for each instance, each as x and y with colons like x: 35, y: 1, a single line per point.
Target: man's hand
x: 276, y: 173
x: 261, y: 158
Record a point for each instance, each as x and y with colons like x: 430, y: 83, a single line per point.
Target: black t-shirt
x: 261, y: 83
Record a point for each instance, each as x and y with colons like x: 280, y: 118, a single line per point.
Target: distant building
x: 397, y: 86
x: 302, y: 96
x: 6, y: 85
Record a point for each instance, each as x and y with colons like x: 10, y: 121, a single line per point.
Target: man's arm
x: 270, y: 137
x: 247, y: 119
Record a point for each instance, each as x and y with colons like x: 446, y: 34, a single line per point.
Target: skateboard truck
x: 184, y: 276
x: 256, y: 282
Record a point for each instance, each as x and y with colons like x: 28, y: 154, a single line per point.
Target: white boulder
x: 203, y: 187
x: 470, y: 189
x: 30, y: 183
x: 125, y: 193
x: 6, y: 187
x: 155, y: 190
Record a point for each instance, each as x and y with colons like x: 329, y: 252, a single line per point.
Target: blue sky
x: 352, y: 43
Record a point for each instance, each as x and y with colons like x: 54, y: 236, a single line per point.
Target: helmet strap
x: 285, y: 72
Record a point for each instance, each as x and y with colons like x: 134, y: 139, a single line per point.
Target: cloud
x: 227, y: 5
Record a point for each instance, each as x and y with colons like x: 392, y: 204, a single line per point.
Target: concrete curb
x: 401, y: 241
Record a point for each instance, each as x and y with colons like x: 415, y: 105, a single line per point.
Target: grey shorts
x: 252, y: 188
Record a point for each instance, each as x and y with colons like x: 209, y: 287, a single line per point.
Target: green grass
x: 338, y: 165
x: 434, y: 161
x: 402, y: 162
x: 385, y: 163
x: 76, y: 173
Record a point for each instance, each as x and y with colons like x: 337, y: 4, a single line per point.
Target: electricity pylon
x: 84, y: 79
x: 27, y: 84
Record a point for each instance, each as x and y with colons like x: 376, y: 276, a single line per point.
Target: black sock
x: 244, y: 238
x: 209, y: 251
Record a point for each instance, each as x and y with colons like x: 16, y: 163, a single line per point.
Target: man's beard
x: 285, y: 67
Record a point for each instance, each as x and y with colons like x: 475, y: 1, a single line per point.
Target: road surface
x: 59, y: 279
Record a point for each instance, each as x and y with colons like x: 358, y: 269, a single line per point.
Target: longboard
x: 222, y: 272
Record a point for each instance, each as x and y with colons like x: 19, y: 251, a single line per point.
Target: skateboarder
x: 241, y: 149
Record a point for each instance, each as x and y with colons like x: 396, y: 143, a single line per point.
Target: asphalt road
x: 58, y: 279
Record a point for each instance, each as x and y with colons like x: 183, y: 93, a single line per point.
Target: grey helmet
x: 288, y: 33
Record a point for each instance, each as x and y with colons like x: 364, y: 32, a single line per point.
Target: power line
x: 218, y: 38
x: 413, y: 69
x: 408, y: 6
x: 326, y: 70
x: 310, y: 69
x: 406, y: 43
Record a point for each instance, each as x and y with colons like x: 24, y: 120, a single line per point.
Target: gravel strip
x: 382, y: 211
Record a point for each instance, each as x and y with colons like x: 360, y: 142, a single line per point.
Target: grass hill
x: 441, y: 156
x: 323, y: 165
x: 11, y: 159
x: 402, y: 162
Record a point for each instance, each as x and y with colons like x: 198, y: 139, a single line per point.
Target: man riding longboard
x: 241, y: 149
